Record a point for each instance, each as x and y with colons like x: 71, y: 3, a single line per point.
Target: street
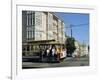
x: 67, y: 62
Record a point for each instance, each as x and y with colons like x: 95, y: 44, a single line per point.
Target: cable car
x: 40, y: 51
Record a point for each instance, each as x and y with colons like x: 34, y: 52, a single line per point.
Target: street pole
x: 71, y: 31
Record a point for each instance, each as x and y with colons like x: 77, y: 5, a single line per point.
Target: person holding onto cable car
x: 58, y: 53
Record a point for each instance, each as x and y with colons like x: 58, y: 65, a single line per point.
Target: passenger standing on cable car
x: 47, y: 54
x: 53, y: 53
x: 50, y: 54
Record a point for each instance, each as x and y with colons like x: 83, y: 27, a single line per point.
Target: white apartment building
x: 42, y: 26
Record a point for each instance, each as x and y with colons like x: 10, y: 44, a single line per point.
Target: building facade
x: 42, y: 26
x: 77, y: 50
x: 81, y: 50
x: 84, y: 50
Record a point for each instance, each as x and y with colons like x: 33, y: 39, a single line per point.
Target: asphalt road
x: 68, y: 62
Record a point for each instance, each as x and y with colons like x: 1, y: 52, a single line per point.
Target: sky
x: 80, y: 25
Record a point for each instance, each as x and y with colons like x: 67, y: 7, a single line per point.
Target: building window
x: 50, y: 21
x: 28, y: 34
x: 32, y: 34
x: 30, y: 18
